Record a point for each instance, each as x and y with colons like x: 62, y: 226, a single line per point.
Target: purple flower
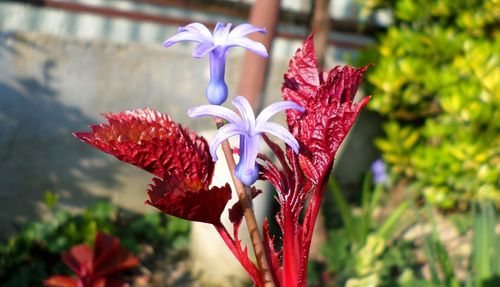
x: 249, y: 129
x: 379, y: 173
x: 216, y: 46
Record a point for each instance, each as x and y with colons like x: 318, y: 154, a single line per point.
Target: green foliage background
x: 34, y: 253
x: 436, y: 79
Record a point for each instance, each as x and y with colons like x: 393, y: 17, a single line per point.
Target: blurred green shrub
x: 437, y: 81
x: 364, y: 252
x: 33, y: 254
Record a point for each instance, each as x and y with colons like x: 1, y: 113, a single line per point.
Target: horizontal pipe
x: 158, y: 19
x: 242, y: 10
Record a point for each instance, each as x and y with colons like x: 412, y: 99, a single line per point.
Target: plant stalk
x: 246, y: 205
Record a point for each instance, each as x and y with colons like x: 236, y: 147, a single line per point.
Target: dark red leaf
x: 60, y: 281
x: 189, y: 200
x: 308, y: 168
x: 93, y: 266
x: 328, y: 117
x: 273, y: 257
x: 302, y: 79
x: 236, y: 212
x: 330, y: 111
x: 242, y: 255
x: 152, y: 141
x: 110, y: 256
x: 80, y: 259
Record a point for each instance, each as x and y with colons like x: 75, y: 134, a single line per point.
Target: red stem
x: 224, y: 234
x: 291, y: 250
x: 310, y: 221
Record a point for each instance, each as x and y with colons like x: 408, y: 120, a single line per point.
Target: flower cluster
x: 320, y: 112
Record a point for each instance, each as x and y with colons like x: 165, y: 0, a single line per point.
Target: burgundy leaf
x: 330, y: 111
x: 273, y: 257
x: 242, y: 255
x: 236, y: 212
x: 302, y: 79
x: 180, y: 158
x: 152, y: 141
x: 189, y: 200
x: 301, y: 181
x: 95, y: 267
x: 80, y: 259
x: 111, y: 257
x: 61, y: 281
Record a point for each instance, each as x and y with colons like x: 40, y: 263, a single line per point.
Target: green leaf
x: 389, y: 224
x: 51, y: 199
x: 345, y: 211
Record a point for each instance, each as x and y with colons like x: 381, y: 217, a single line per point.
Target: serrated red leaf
x: 308, y: 168
x: 154, y: 142
x: 328, y: 117
x: 187, y: 200
x: 80, y: 259
x: 236, y: 212
x: 302, y: 79
x: 110, y: 256
x: 94, y: 266
x: 329, y: 108
x: 273, y: 257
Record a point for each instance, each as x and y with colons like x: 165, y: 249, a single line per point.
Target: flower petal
x: 184, y: 36
x: 245, y: 29
x: 222, y: 134
x: 216, y: 111
x: 243, y: 106
x: 275, y: 108
x: 198, y: 28
x: 246, y: 43
x: 202, y: 50
x: 221, y: 33
x: 281, y: 133
x: 195, y: 32
x: 246, y: 170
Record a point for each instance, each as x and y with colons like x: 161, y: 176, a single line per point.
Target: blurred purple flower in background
x: 379, y: 171
x: 249, y: 129
x: 216, y: 46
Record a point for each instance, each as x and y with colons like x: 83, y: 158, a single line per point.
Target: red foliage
x: 152, y: 141
x: 301, y: 181
x: 175, y: 197
x: 330, y: 111
x: 95, y: 267
x: 236, y: 212
x: 182, y: 163
x: 180, y: 158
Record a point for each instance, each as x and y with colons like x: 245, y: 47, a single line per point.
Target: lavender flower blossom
x: 379, y: 172
x: 216, y: 46
x: 249, y: 129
